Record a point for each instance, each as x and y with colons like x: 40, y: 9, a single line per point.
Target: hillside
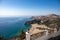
x: 51, y: 20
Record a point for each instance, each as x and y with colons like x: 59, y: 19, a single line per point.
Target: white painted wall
x: 27, y: 36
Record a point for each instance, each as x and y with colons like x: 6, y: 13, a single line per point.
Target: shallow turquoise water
x: 11, y: 27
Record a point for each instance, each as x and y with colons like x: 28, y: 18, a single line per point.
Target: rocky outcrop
x: 52, y: 21
x: 32, y: 21
x: 49, y: 20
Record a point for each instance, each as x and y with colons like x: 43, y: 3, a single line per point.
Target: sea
x: 13, y: 26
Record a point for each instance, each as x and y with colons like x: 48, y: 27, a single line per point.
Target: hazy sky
x: 28, y: 7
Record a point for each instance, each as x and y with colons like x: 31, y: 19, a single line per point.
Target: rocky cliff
x: 51, y: 20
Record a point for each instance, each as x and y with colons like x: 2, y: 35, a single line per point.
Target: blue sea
x: 12, y: 26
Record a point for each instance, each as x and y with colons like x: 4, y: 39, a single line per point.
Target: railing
x: 45, y: 36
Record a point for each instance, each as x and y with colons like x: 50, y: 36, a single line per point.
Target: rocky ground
x: 51, y: 21
x: 55, y: 38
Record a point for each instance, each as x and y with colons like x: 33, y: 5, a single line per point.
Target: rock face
x: 47, y: 17
x: 53, y: 17
x: 44, y: 18
x: 49, y: 20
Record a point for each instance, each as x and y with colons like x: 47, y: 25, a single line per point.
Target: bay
x: 12, y: 26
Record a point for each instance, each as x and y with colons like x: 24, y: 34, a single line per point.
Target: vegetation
x: 22, y: 36
x: 1, y: 37
x: 51, y: 20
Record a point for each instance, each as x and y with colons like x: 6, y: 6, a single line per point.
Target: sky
x: 11, y: 8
